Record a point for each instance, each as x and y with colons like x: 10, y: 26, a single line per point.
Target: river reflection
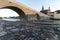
x: 57, y: 21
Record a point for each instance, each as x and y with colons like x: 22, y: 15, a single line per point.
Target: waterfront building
x: 47, y: 11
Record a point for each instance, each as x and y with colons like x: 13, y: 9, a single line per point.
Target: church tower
x: 42, y: 8
x: 49, y: 11
x: 48, y: 8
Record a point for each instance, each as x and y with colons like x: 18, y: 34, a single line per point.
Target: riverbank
x: 17, y: 30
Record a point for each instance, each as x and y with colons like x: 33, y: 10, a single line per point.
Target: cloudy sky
x: 34, y: 4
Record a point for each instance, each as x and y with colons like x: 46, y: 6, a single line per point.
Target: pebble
x: 20, y: 31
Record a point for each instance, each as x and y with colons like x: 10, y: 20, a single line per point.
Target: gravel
x: 18, y: 30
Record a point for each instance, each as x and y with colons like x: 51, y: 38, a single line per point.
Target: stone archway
x: 16, y: 9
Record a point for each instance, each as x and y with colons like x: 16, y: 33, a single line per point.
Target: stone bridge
x: 20, y: 8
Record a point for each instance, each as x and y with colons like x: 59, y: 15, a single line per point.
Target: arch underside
x: 18, y: 10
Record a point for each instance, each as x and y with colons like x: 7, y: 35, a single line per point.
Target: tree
x: 58, y: 11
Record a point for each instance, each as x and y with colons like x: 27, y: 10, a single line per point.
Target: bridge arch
x: 18, y: 10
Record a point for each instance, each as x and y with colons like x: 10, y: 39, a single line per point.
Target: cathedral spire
x: 49, y: 8
x: 42, y: 8
x: 49, y: 11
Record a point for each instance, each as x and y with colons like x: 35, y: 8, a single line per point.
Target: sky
x: 34, y: 4
x: 7, y: 13
x: 37, y: 4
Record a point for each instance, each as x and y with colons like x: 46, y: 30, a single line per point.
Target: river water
x: 10, y: 19
x: 57, y: 21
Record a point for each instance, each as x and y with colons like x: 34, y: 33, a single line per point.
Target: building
x: 47, y: 11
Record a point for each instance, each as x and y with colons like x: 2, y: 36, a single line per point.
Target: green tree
x: 58, y: 11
